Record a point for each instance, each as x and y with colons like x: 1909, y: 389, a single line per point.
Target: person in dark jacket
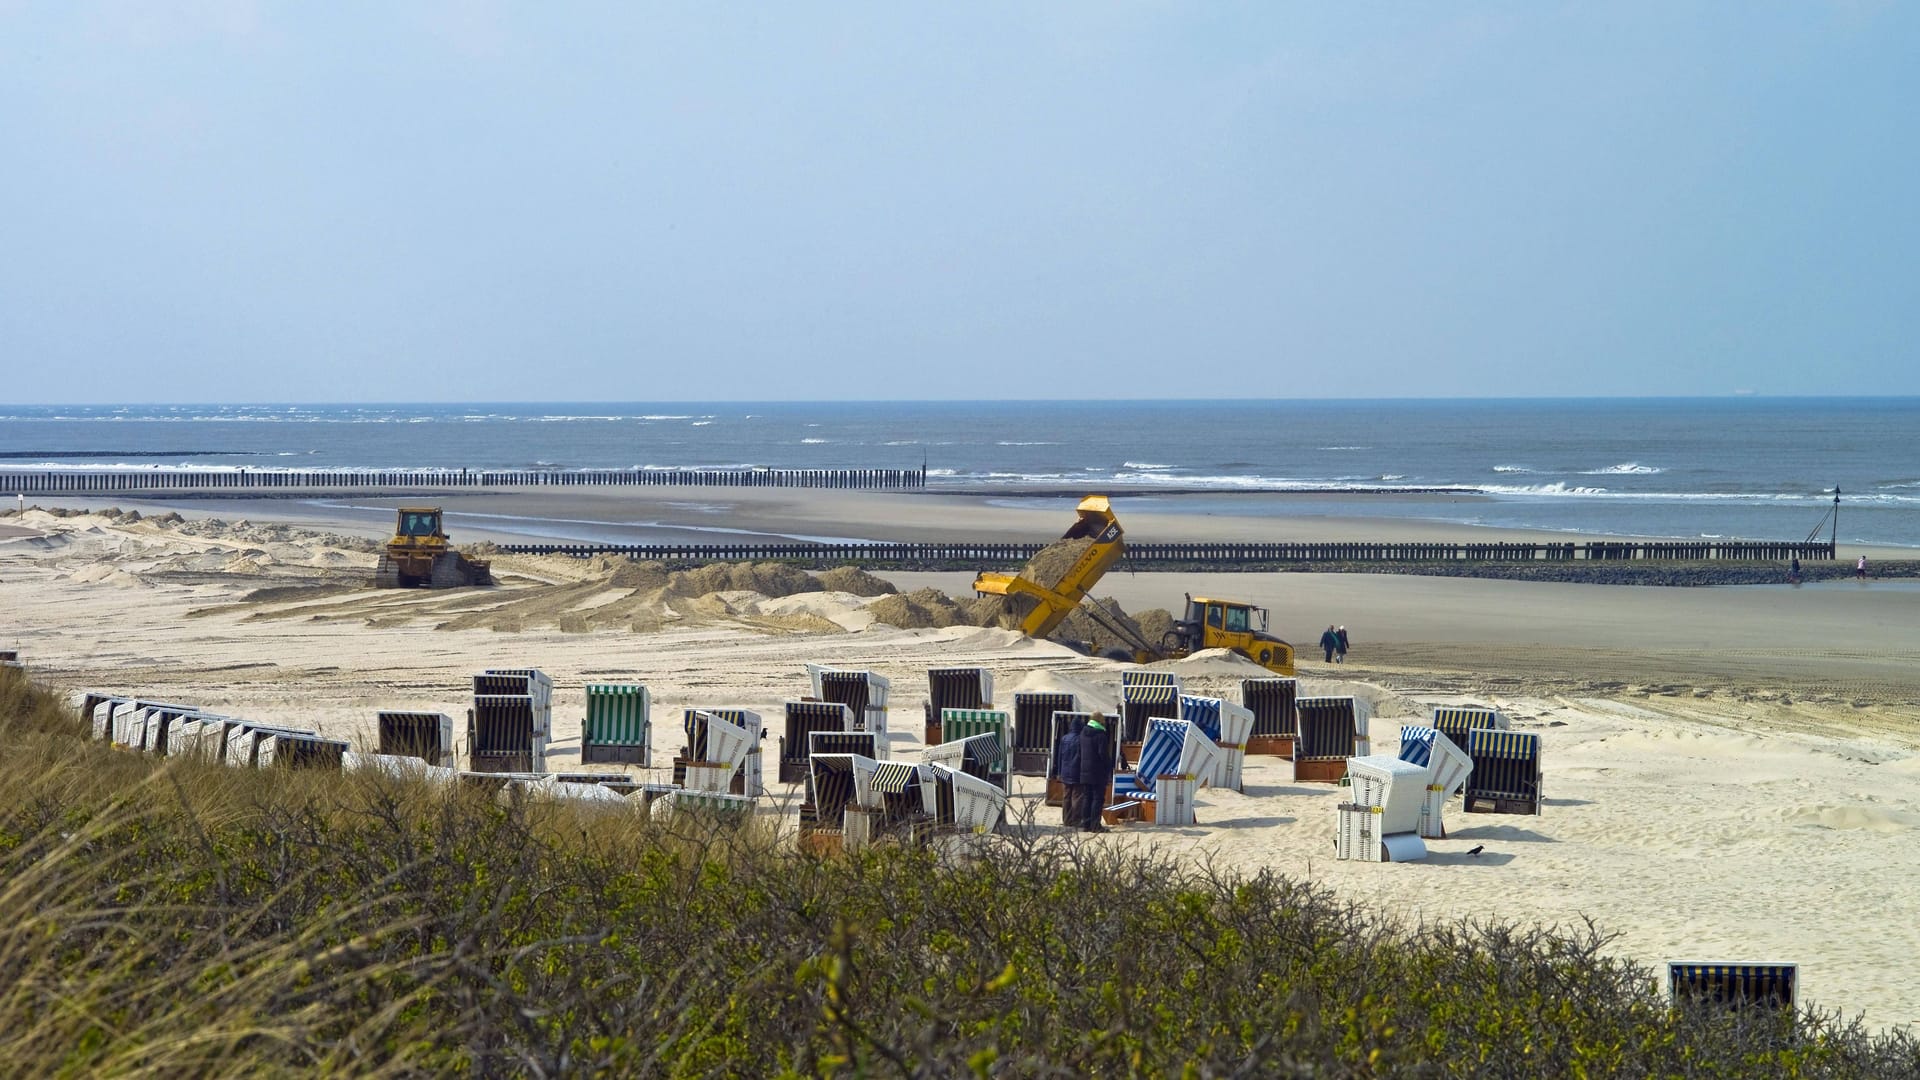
x: 1329, y: 641
x: 1096, y: 772
x: 1340, y: 639
x: 1067, y: 768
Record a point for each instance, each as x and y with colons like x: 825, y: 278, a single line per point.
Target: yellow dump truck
x: 1206, y: 623
x: 420, y: 554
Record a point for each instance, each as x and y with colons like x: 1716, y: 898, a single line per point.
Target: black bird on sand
x: 1477, y: 849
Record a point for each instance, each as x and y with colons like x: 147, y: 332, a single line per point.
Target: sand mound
x: 1052, y: 562
x: 921, y: 609
x: 852, y: 579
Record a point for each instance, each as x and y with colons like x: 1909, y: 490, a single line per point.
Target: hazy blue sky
x: 458, y: 201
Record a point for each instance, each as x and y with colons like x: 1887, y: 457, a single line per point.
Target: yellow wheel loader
x: 419, y: 554
x: 1206, y: 624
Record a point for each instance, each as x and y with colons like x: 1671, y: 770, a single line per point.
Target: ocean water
x: 1758, y: 468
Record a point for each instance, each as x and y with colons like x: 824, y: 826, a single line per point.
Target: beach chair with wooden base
x: 1394, y: 794
x: 829, y: 792
x: 1734, y: 985
x: 1448, y: 767
x: 724, y: 749
x: 678, y: 806
x: 537, y: 685
x: 1144, y: 696
x: 803, y: 719
x: 501, y: 736
x: 1506, y: 772
x: 982, y: 755
x: 618, y: 727
x: 889, y: 797
x: 1274, y: 723
x: 1160, y: 791
x: 965, y: 803
x: 424, y: 735
x: 279, y: 747
x: 1454, y: 721
x: 1227, y: 725
x: 954, y: 688
x: 97, y: 710
x: 862, y: 692
x: 1032, y: 747
x: 957, y: 724
x: 1331, y: 730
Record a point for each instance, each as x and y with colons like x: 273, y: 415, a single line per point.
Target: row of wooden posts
x: 170, y: 480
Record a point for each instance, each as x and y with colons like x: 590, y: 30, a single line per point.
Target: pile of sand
x: 1052, y: 562
x: 931, y: 608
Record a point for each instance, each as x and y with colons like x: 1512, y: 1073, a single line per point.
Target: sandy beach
x: 1732, y: 773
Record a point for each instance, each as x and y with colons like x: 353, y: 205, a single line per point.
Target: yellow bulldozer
x: 419, y: 554
x: 1205, y: 624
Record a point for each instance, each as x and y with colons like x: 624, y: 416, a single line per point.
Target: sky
x: 297, y: 202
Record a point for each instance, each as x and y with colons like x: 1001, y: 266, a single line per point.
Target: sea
x: 1738, y: 467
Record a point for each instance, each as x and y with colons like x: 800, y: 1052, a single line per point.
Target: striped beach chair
x: 862, y: 692
x: 1144, y: 696
x: 1733, y: 984
x: 958, y: 724
x: 966, y: 803
x: 97, y: 710
x: 1394, y: 793
x: 1227, y: 725
x: 1274, y: 719
x: 982, y: 755
x: 502, y: 737
x: 1506, y: 772
x: 298, y: 750
x: 1161, y: 788
x: 534, y: 683
x: 1331, y: 730
x: 902, y: 793
x: 678, y: 806
x: 726, y: 740
x: 1448, y: 767
x: 1454, y: 721
x: 954, y: 688
x: 1033, y: 729
x: 424, y: 735
x: 618, y: 729
x: 831, y: 783
x: 803, y: 719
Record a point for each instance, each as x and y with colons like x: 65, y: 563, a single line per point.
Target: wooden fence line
x: 1217, y: 555
x: 197, y: 481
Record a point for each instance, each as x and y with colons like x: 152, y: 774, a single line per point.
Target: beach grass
x: 170, y: 917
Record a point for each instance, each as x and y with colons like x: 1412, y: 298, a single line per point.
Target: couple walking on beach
x: 1086, y: 768
x: 1334, y: 641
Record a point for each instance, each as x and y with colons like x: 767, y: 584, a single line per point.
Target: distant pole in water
x: 1833, y: 532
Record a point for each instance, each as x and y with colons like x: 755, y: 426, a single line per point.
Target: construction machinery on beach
x: 1206, y: 623
x: 420, y: 555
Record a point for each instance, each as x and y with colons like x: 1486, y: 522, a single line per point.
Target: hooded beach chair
x: 1394, y: 794
x: 803, y: 719
x: 1454, y: 721
x: 1144, y: 695
x: 534, y: 683
x: 862, y: 692
x: 966, y: 803
x: 1161, y: 788
x: 830, y: 788
x: 749, y: 779
x: 264, y: 747
x: 501, y: 736
x: 1331, y: 730
x: 1448, y: 767
x: 900, y: 792
x: 398, y: 767
x: 1733, y: 984
x: 954, y: 688
x: 724, y: 748
x: 982, y: 755
x: 1274, y: 720
x: 97, y: 710
x: 1227, y: 725
x: 678, y: 805
x: 1033, y: 730
x: 1506, y: 772
x: 958, y: 724
x: 424, y: 735
x: 618, y: 729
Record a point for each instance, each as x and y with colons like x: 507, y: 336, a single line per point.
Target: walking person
x: 1793, y: 573
x: 1860, y: 568
x: 1067, y: 768
x: 1329, y: 641
x: 1340, y: 639
x: 1096, y: 772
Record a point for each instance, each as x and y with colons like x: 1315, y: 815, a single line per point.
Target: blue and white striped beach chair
x: 1162, y: 786
x: 1144, y: 696
x: 1228, y: 726
x: 1506, y: 772
x: 1448, y: 767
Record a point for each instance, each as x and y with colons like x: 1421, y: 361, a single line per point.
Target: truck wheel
x: 1172, y: 641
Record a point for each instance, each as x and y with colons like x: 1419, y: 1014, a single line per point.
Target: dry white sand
x: 1731, y: 773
